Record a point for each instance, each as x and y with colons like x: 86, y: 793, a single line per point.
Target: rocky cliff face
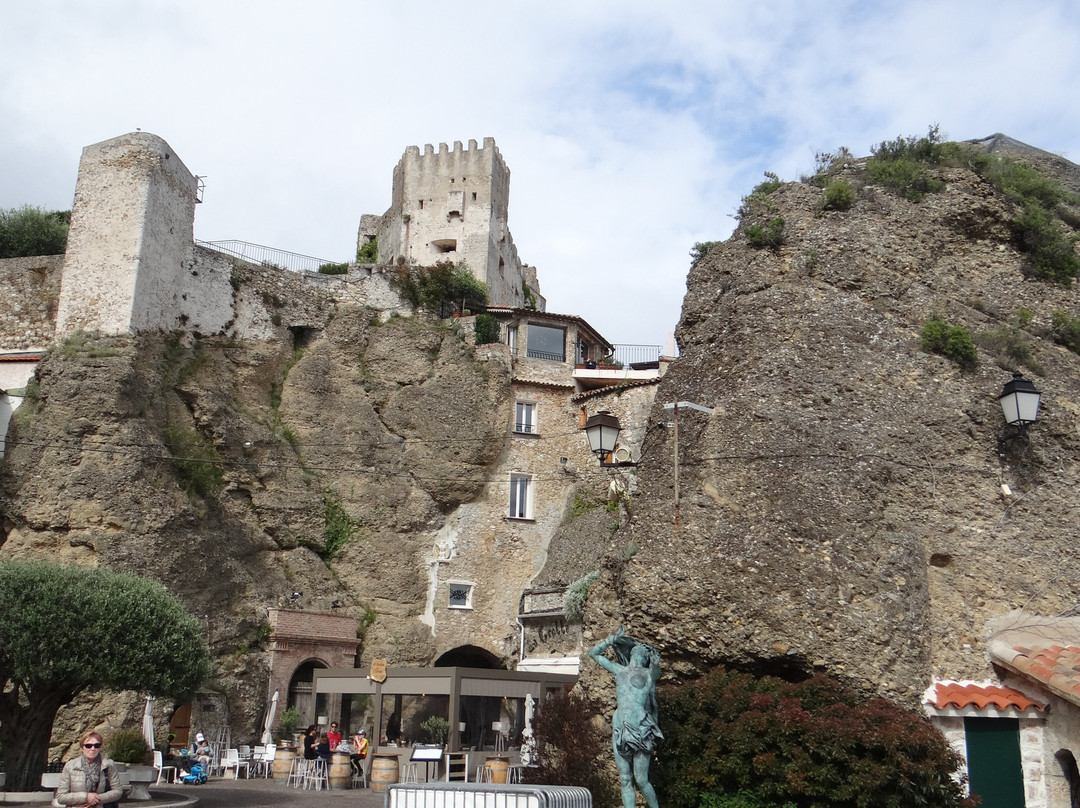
x: 222, y: 468
x: 847, y: 506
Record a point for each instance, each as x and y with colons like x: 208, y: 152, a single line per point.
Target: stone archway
x: 469, y: 656
x: 301, y: 694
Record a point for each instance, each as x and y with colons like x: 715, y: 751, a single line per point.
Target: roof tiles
x: 958, y: 695
x: 1056, y: 665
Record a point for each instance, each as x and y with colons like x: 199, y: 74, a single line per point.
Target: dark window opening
x: 546, y: 342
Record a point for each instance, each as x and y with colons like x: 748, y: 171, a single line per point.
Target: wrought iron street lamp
x: 1020, y: 402
x: 602, y: 430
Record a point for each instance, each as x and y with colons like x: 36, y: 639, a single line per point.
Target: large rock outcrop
x: 847, y: 506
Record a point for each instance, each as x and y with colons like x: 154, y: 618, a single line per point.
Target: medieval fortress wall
x: 130, y: 243
x: 452, y: 205
x: 132, y: 264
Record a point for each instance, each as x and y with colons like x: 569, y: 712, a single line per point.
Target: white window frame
x: 469, y: 588
x: 521, y: 496
x: 526, y: 425
x: 512, y: 338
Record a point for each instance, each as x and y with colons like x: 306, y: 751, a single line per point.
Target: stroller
x: 197, y: 775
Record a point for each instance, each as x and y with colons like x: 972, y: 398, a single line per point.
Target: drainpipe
x: 521, y: 651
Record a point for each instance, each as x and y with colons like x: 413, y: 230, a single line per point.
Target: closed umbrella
x: 148, y: 723
x: 528, y: 743
x: 271, y: 711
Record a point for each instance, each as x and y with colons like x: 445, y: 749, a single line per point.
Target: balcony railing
x: 266, y: 256
x: 551, y: 357
x: 635, y: 354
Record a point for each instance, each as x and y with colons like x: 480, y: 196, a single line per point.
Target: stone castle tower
x: 130, y: 242
x: 452, y: 205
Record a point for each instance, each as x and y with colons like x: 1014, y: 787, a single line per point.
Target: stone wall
x: 31, y: 287
x: 452, y: 205
x: 130, y: 242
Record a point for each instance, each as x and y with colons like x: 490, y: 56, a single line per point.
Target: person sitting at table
x: 322, y: 748
x: 310, y: 739
x: 360, y: 749
x: 334, y: 735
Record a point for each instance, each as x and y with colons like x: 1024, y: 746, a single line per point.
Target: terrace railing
x: 266, y: 256
x: 633, y: 354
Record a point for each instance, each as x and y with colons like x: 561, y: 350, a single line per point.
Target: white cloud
x: 631, y: 128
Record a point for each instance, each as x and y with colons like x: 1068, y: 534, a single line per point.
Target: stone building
x: 452, y: 205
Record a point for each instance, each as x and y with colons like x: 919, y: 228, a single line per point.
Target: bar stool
x: 408, y: 773
x: 318, y: 775
x: 297, y: 772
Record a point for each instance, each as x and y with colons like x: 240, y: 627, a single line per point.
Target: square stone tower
x: 131, y: 238
x: 451, y: 205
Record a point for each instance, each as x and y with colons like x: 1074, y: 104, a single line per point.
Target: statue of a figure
x: 635, y: 731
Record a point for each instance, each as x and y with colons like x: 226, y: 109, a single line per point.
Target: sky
x: 631, y: 129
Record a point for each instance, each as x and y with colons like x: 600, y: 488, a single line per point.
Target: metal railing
x: 553, y: 357
x: 266, y: 256
x: 633, y: 354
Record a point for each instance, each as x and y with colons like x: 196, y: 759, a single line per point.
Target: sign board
x: 434, y: 752
x: 378, y: 670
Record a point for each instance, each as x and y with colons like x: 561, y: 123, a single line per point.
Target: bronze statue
x: 635, y: 731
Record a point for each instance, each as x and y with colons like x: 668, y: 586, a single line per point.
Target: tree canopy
x: 66, y: 629
x: 29, y: 231
x: 440, y: 288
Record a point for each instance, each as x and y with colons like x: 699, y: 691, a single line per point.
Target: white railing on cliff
x: 265, y: 256
x: 634, y: 354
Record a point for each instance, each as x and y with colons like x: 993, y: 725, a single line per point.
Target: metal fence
x: 266, y: 256
x: 486, y: 795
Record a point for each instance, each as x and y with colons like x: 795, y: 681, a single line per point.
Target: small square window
x: 461, y: 594
x: 525, y: 417
x: 520, y: 496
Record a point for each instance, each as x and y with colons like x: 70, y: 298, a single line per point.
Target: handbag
x: 108, y: 788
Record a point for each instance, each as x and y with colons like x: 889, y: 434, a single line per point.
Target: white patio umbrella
x: 528, y: 743
x: 271, y: 711
x: 148, y: 723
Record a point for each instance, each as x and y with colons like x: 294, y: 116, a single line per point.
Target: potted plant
x: 127, y: 746
x: 435, y: 729
x: 286, y: 724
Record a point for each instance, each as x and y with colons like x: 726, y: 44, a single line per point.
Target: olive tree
x: 66, y: 629
x: 32, y: 231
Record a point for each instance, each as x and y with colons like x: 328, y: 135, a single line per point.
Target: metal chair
x: 265, y: 761
x: 359, y: 773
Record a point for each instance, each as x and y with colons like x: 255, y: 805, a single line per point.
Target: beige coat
x: 72, y: 788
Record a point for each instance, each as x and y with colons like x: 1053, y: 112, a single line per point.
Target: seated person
x: 310, y: 739
x: 334, y: 736
x: 360, y: 749
x: 322, y: 749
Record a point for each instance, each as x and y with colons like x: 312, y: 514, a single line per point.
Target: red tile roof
x: 1057, y: 666
x: 960, y: 695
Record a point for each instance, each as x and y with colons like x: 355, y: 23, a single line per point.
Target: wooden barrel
x: 340, y: 770
x: 499, y: 767
x: 384, y: 770
x: 283, y: 759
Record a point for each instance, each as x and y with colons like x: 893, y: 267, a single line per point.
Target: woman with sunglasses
x: 90, y: 779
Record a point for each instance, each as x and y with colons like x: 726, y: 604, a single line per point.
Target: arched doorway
x: 301, y: 692
x: 481, y: 715
x: 469, y: 656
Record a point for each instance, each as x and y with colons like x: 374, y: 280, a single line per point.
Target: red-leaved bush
x: 811, y: 745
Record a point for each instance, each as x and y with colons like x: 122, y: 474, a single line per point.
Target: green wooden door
x: 993, y: 752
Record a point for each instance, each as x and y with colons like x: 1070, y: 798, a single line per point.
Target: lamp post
x: 1020, y: 402
x: 602, y: 430
x: 675, y: 416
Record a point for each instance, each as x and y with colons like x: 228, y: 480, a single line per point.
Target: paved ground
x: 256, y: 793
x: 253, y: 793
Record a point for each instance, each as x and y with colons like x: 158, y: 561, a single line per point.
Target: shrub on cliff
x: 29, y: 231
x: 951, y: 341
x: 732, y: 739
x: 441, y: 288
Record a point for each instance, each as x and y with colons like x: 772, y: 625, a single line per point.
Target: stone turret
x: 130, y: 243
x: 452, y: 204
